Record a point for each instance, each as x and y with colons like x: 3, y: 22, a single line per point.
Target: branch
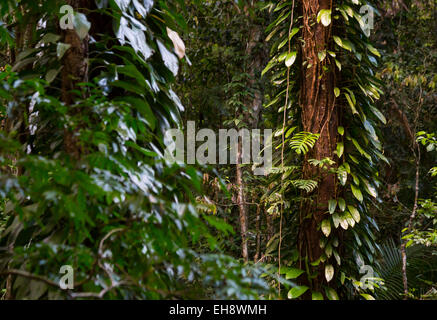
x: 29, y: 275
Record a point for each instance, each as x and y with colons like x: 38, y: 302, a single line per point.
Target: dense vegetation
x: 347, y: 211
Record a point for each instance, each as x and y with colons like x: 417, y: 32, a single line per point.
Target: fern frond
x: 302, y: 142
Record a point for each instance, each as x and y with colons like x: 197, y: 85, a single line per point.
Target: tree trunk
x: 255, y: 61
x: 242, y: 207
x: 74, y: 71
x: 319, y: 115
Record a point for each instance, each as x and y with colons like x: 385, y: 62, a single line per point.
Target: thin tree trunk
x: 251, y: 118
x: 74, y: 71
x: 319, y: 115
x: 241, y: 201
x: 416, y: 150
x: 258, y: 232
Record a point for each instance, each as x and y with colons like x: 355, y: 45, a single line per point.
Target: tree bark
x: 255, y: 61
x: 319, y: 115
x: 242, y: 207
x: 74, y: 71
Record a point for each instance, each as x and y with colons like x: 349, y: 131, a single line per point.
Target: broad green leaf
x: 341, y: 204
x: 337, y: 257
x: 316, y: 296
x: 321, y: 55
x: 378, y: 114
x: 270, y: 65
x: 370, y: 189
x: 340, y: 149
x: 61, y: 48
x: 50, y: 38
x: 326, y: 227
x: 325, y: 17
x: 51, y: 74
x: 331, y: 294
x: 349, y: 219
x: 338, y: 41
x: 373, y: 50
x: 367, y: 296
x: 291, y: 58
x: 329, y: 272
x: 293, y: 273
x: 336, y: 92
x: 357, y: 193
x: 293, y: 32
x: 343, y: 222
x: 336, y: 220
x: 331, y: 205
x: 354, y: 213
x: 343, y: 43
x: 297, y: 291
x: 340, y: 130
x: 342, y: 175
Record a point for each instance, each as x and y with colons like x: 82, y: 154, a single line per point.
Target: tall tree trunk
x: 319, y: 115
x: 255, y: 61
x: 74, y: 71
x: 242, y: 207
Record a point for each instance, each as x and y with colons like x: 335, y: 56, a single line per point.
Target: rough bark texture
x: 319, y: 115
x: 242, y: 207
x: 251, y: 117
x: 74, y: 71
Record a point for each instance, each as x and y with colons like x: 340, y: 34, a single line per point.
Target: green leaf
x: 337, y: 257
x: 354, y: 213
x: 291, y: 58
x: 337, y: 92
x: 331, y: 205
x: 329, y: 272
x: 321, y: 55
x: 50, y: 38
x: 340, y: 149
x: 342, y: 277
x: 325, y: 17
x: 373, y: 50
x: 378, y: 114
x: 297, y: 291
x: 351, y: 103
x: 51, y: 74
x: 293, y: 273
x: 342, y: 175
x: 331, y: 294
x: 293, y: 32
x: 343, y: 43
x: 340, y: 130
x: 326, y: 227
x: 81, y: 25
x: 338, y: 41
x: 367, y: 296
x: 336, y: 220
x: 357, y: 193
x: 343, y: 222
x: 316, y: 296
x: 61, y: 48
x: 341, y: 204
x: 270, y: 65
x: 350, y: 219
x: 370, y: 189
